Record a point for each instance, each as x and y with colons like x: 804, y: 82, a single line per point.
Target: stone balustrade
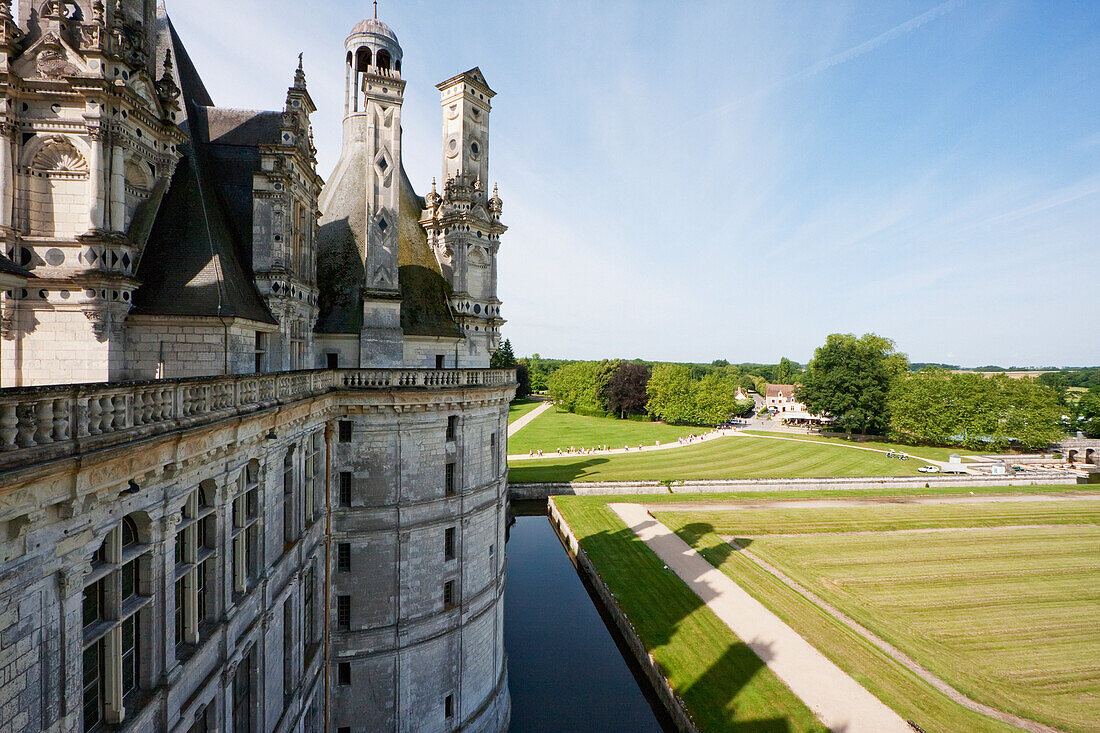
x: 38, y: 424
x: 429, y: 378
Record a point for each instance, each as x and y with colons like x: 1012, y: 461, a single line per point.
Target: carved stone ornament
x: 52, y: 62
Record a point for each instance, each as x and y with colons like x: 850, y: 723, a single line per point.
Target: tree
x: 626, y: 390
x: 523, y: 377
x: 579, y: 386
x: 786, y: 372
x: 715, y: 399
x: 671, y: 394
x: 975, y: 411
x: 503, y: 358
x: 849, y: 379
x: 1089, y: 409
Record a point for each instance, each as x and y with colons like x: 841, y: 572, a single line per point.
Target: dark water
x: 565, y: 671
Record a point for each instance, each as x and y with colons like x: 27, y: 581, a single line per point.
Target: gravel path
x: 836, y: 699
x: 514, y: 427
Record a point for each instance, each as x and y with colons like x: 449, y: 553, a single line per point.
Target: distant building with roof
x: 781, y: 401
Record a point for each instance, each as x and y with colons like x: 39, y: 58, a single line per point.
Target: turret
x: 463, y: 224
x: 363, y: 194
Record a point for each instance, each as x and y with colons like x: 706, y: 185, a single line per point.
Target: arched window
x: 314, y: 477
x: 116, y: 601
x: 362, y: 59
x: 246, y: 527
x: 196, y: 540
x: 290, y: 525
x: 397, y: 65
x: 383, y: 59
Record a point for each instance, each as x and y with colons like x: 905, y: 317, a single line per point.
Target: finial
x: 168, y: 62
x: 376, y: 9
x: 433, y: 184
x: 300, y: 75
x: 494, y: 188
x: 98, y: 12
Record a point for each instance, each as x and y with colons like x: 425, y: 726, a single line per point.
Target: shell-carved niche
x: 59, y: 158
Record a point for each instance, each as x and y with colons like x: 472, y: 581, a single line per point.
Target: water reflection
x: 565, y: 671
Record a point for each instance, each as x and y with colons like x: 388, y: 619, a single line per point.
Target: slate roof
x: 10, y: 268
x: 425, y: 293
x: 197, y: 260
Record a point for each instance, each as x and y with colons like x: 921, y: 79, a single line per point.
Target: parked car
x: 929, y: 469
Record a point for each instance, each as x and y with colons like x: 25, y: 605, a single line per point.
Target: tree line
x: 862, y: 382
x: 868, y: 387
x: 671, y: 393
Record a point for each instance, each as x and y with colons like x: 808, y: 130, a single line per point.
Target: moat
x: 565, y: 670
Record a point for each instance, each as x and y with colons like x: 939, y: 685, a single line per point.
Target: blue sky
x: 698, y: 180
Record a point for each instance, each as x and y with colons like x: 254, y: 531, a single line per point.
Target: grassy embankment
x: 723, y: 683
x: 723, y: 458
x: 556, y: 428
x: 1003, y: 613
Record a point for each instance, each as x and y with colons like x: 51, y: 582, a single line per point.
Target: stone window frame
x: 449, y: 543
x: 450, y: 479
x: 289, y: 642
x: 343, y: 612
x: 289, y: 476
x: 314, y: 477
x: 309, y: 612
x: 243, y: 692
x: 245, y: 527
x: 343, y: 557
x: 195, y: 566
x: 345, y: 487
x: 119, y: 589
x: 449, y: 594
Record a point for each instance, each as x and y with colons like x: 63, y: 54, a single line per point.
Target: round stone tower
x: 419, y: 495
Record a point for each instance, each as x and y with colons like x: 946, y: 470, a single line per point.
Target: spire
x: 166, y: 86
x: 300, y: 75
x: 495, y: 204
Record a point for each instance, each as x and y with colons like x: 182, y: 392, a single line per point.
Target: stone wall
x: 69, y: 490
x: 194, y: 347
x: 604, y: 488
x: 431, y: 626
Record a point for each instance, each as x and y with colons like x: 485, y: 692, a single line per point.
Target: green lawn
x: 555, y: 429
x: 725, y: 458
x: 722, y: 682
x: 519, y: 408
x: 931, y: 452
x: 1005, y: 614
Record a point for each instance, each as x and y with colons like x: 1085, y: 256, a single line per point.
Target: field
x: 555, y: 429
x: 931, y: 452
x: 723, y: 458
x: 519, y: 408
x: 998, y: 599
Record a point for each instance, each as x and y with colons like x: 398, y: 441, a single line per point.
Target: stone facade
x: 285, y: 550
x: 296, y: 522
